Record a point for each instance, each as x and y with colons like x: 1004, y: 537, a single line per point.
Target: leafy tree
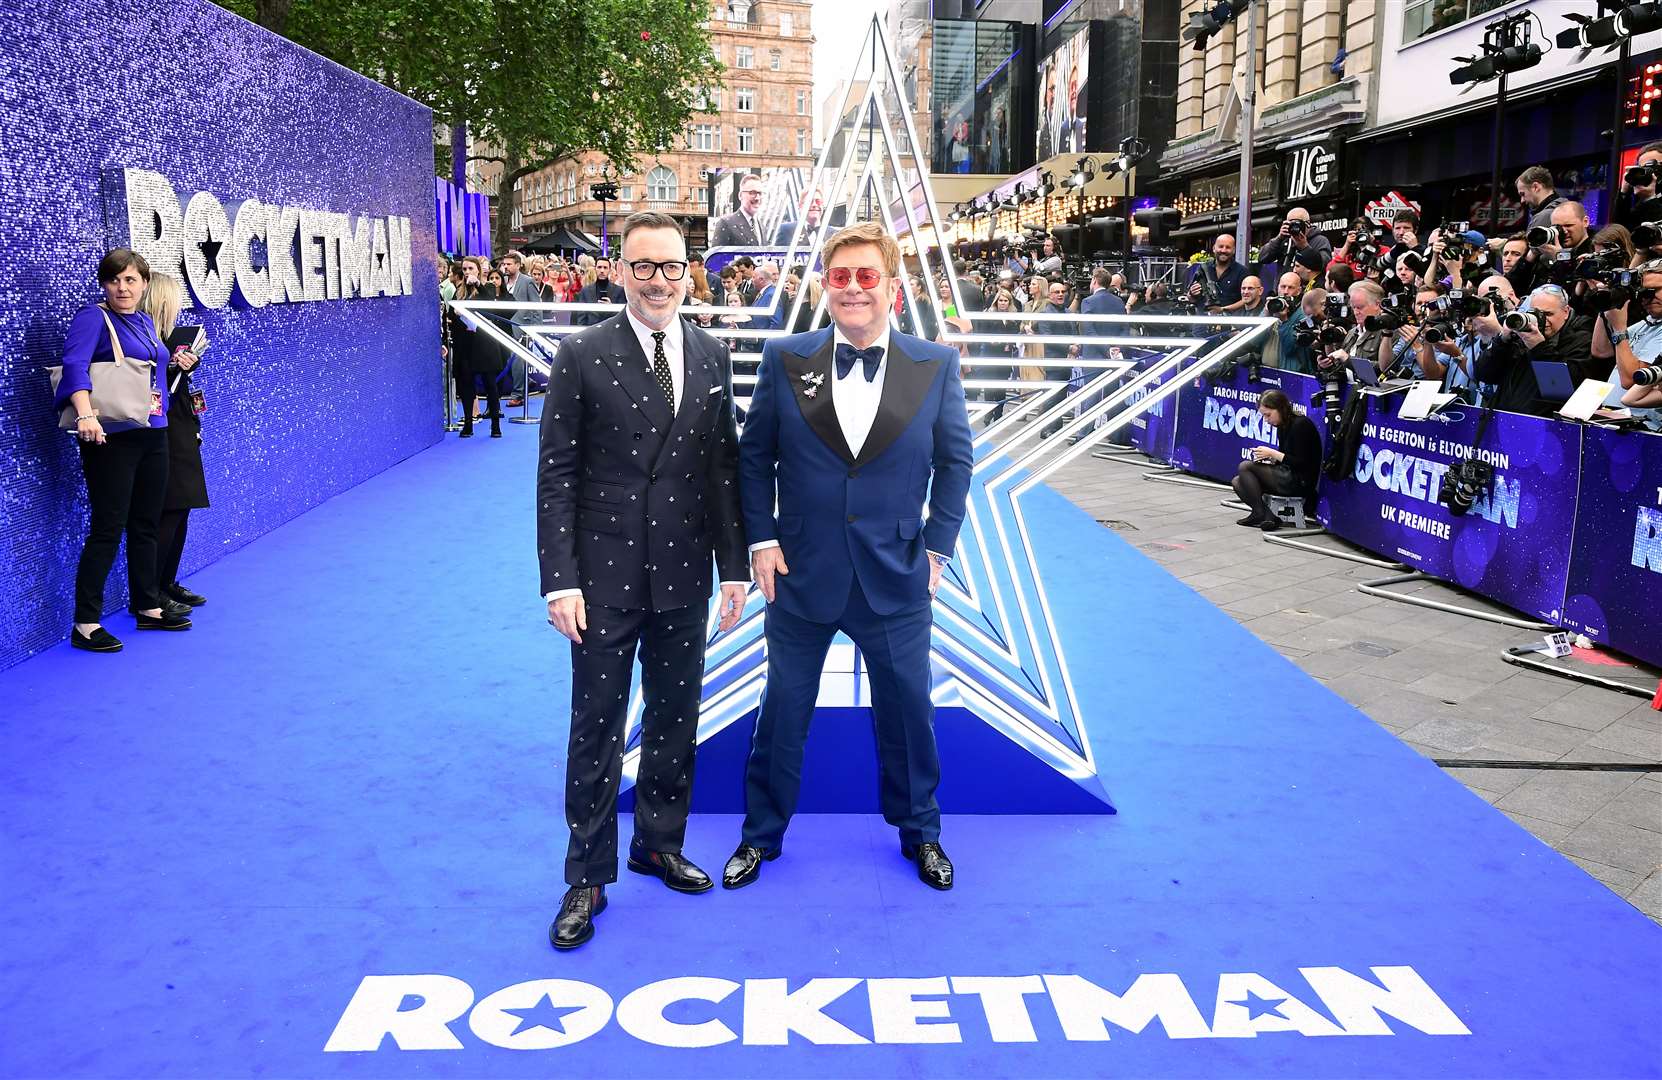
x: 536, y: 80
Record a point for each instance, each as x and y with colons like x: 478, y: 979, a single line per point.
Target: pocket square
x: 714, y: 390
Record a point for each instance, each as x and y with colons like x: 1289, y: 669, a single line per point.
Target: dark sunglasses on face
x: 643, y: 269
x: 838, y: 277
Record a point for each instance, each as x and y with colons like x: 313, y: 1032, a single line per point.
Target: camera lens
x: 1649, y: 375
x: 1542, y: 235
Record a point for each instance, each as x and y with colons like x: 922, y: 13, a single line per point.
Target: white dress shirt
x: 674, y: 353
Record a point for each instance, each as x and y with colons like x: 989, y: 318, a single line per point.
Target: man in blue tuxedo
x: 850, y: 428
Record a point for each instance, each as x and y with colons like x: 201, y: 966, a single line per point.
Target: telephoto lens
x: 1519, y: 321
x: 1542, y: 235
x: 1647, y: 234
x: 1277, y: 306
x: 1640, y: 176
x: 1437, y: 333
x: 1649, y: 375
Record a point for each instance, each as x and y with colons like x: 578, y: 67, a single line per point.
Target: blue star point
x: 543, y: 1013
x: 1259, y: 1006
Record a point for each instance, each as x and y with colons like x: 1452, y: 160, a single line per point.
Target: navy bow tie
x: 869, y: 359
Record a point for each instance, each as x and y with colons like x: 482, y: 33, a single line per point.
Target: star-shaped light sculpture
x: 995, y: 649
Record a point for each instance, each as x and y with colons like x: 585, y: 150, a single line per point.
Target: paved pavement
x: 1434, y: 678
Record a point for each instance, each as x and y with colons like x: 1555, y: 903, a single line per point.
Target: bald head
x: 1290, y: 285
x: 1252, y: 291
x: 1571, y: 219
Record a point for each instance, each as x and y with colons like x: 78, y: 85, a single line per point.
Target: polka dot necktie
x: 660, y: 368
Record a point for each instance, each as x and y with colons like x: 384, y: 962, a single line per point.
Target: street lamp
x: 605, y: 192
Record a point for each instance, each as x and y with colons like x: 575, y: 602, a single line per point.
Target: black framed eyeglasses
x: 643, y: 269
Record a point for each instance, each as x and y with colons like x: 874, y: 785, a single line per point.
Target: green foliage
x: 536, y: 79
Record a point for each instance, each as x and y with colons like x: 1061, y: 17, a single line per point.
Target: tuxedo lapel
x: 811, y: 379
x: 905, y: 384
x: 633, y: 372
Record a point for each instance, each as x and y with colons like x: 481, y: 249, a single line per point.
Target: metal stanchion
x: 525, y: 416
x: 1526, y: 656
x: 450, y: 421
x: 1377, y: 587
x: 1295, y: 538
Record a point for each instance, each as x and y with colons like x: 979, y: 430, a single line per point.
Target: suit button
x: 637, y: 436
x: 653, y: 479
x: 853, y: 474
x: 851, y: 517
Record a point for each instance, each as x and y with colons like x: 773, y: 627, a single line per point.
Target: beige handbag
x: 121, y: 390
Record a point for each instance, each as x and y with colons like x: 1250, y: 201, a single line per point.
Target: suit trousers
x: 671, y: 647
x: 895, y: 649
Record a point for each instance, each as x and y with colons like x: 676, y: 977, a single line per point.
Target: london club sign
x: 251, y: 253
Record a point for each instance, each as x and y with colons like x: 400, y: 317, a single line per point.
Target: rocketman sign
x: 251, y: 253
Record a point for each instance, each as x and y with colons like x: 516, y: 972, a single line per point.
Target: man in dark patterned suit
x: 637, y: 490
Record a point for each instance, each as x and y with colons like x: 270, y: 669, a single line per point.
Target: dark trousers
x: 1255, y: 479
x: 896, y: 653
x: 672, y: 683
x: 467, y: 390
x: 170, y: 545
x: 126, y: 486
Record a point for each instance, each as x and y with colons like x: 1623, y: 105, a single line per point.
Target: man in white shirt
x: 850, y: 430
x: 637, y: 494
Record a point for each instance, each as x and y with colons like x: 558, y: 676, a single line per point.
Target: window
x: 801, y: 141
x: 661, y: 185
x: 775, y: 59
x: 1422, y: 17
x: 744, y: 57
x: 747, y: 140
x: 802, y: 103
x: 703, y: 137
x: 786, y: 25
x: 744, y: 98
x: 738, y: 14
x: 698, y: 196
x: 626, y: 192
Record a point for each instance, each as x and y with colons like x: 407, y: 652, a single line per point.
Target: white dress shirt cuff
x: 557, y: 594
x: 746, y: 584
x: 938, y: 555
x: 754, y: 548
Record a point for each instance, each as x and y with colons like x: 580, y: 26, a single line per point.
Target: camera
x: 1640, y: 176
x: 1296, y: 227
x: 1520, y: 322
x: 1325, y: 334
x: 1647, y: 234
x: 1439, y: 332
x: 1413, y: 260
x: 1456, y: 229
x: 1649, y: 375
x: 1458, y: 305
x: 1463, y: 483
x: 1399, y: 309
x: 1338, y: 310
x: 1543, y: 235
x: 1279, y: 306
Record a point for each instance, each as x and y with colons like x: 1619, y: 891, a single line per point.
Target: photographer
x: 1408, y: 336
x: 1285, y: 352
x: 1361, y: 248
x: 1554, y: 249
x: 1512, y: 252
x: 1405, y: 233
x: 1217, y: 284
x: 1635, y: 347
x: 1453, y: 355
x: 1252, y: 297
x: 1294, y: 236
x: 1367, y: 338
x: 1460, y: 252
x: 1537, y: 193
x: 1547, y: 331
x: 1050, y: 261
x: 1640, y: 201
x: 1291, y: 469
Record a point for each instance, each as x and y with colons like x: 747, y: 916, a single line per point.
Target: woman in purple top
x: 124, y: 463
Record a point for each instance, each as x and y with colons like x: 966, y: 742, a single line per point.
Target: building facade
x: 762, y: 116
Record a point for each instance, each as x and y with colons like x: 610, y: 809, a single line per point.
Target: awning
x: 561, y: 239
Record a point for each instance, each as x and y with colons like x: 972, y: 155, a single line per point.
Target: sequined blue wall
x: 306, y: 399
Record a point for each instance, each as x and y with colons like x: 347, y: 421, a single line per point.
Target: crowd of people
x: 1478, y: 314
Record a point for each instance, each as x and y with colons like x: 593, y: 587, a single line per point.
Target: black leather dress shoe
x: 181, y: 595
x: 671, y: 868
x: 168, y: 607
x: 100, y: 640
x: 1251, y: 521
x: 934, y: 868
x: 575, y: 923
x: 170, y: 620
x: 1270, y: 524
x: 745, y: 866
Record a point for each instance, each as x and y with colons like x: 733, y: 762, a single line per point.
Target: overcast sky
x: 839, y: 31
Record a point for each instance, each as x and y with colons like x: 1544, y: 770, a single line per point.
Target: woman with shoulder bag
x: 187, y: 484
x: 112, y: 392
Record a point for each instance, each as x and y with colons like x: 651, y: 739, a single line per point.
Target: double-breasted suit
x: 635, y: 501
x: 851, y: 527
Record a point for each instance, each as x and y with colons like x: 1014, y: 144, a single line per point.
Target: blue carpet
x: 351, y: 768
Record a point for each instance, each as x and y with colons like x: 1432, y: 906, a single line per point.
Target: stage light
x: 1626, y: 21
x: 1083, y: 174
x: 1204, y: 23
x: 1506, y: 49
x: 1047, y: 182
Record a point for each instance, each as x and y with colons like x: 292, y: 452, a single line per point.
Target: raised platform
x: 219, y: 843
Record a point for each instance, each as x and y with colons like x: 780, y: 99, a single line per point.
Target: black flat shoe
x: 169, y: 608
x: 575, y: 923
x: 181, y: 595
x: 1251, y: 521
x: 745, y: 866
x: 168, y: 621
x: 670, y: 868
x: 1271, y: 524
x: 100, y: 640
x: 466, y: 433
x: 934, y: 868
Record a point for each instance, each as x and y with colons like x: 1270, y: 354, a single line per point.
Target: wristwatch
x: 1618, y: 337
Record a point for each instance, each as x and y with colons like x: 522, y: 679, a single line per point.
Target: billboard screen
x: 1062, y: 77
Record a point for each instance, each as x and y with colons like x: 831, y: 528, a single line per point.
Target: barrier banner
x: 1154, y: 432
x: 1512, y: 546
x: 1218, y: 423
x: 1615, y: 580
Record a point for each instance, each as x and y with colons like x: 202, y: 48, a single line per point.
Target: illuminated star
x: 543, y: 1013
x: 1257, y: 1006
